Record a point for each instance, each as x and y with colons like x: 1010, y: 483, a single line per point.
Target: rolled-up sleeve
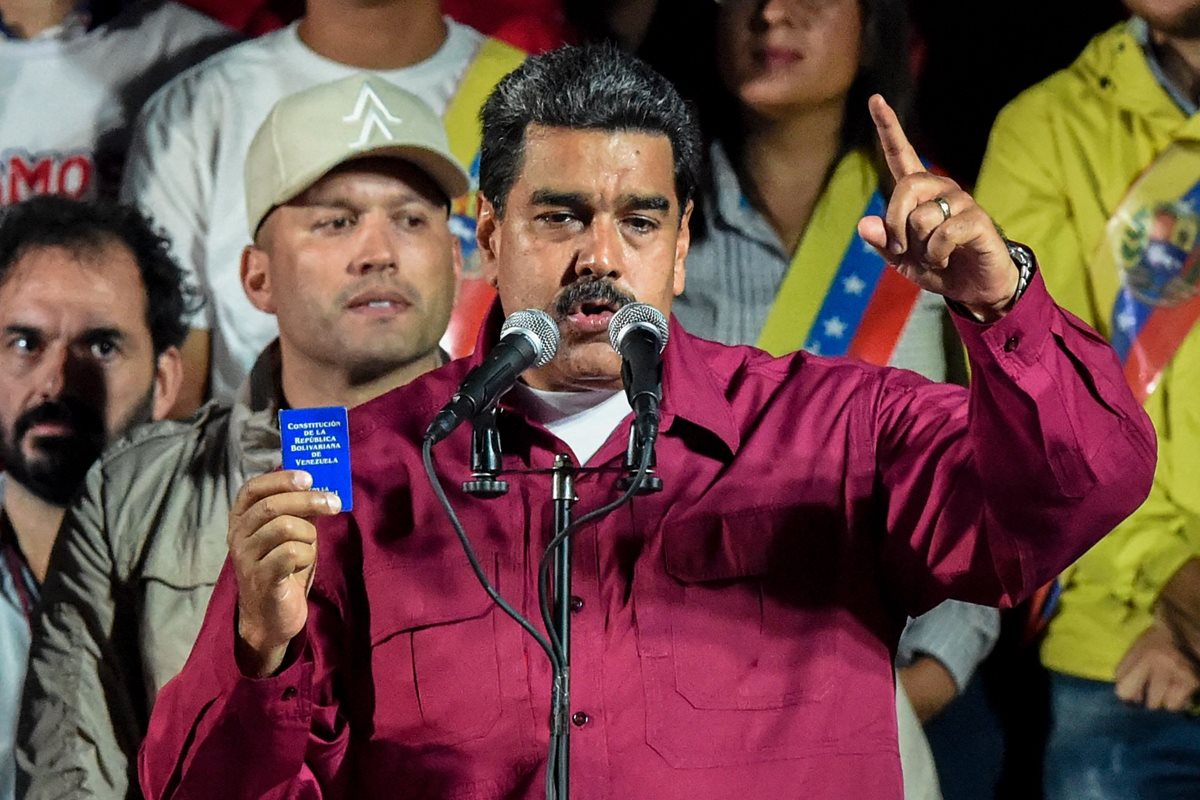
x: 959, y: 635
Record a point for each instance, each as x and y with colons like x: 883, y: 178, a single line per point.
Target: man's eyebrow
x: 347, y: 204
x: 645, y: 202
x: 324, y: 202
x: 553, y: 197
x: 103, y: 332
x: 21, y: 330
x: 632, y: 202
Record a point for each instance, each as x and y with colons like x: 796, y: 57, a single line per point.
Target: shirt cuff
x: 286, y: 695
x: 1016, y: 340
x: 959, y: 635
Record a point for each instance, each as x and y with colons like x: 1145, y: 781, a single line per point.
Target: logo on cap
x: 373, y: 116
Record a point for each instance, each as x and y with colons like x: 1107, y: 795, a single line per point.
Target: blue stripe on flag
x: 846, y: 300
x: 1130, y: 314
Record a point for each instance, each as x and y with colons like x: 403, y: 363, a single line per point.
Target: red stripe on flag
x: 475, y: 296
x: 1157, y: 343
x: 887, y: 313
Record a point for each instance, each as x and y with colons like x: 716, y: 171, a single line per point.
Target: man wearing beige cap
x: 348, y: 187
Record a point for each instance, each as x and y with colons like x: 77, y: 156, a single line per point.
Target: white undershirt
x: 583, y: 420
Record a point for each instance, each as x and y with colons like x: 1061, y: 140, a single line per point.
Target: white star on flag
x: 1126, y: 321
x: 814, y: 347
x: 854, y: 285
x: 834, y: 327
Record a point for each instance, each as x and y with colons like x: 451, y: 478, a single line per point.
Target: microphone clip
x: 485, y: 458
x: 634, y: 451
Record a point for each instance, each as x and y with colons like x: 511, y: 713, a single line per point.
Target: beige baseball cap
x: 309, y: 133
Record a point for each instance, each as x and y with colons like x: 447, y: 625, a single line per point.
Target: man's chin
x: 55, y: 469
x: 590, y: 364
x: 55, y: 488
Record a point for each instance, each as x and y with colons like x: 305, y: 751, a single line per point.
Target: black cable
x: 547, y: 556
x: 558, y: 741
x: 436, y: 484
x: 556, y: 783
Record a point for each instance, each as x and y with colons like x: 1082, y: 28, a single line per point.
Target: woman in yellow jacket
x: 1097, y: 169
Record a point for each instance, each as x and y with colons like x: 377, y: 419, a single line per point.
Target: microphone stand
x: 485, y: 483
x: 564, y: 497
x: 639, y: 478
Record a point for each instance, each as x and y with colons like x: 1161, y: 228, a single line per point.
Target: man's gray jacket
x: 130, y: 577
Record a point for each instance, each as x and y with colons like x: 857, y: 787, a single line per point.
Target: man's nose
x: 377, y: 247
x: 50, y: 376
x: 600, y: 253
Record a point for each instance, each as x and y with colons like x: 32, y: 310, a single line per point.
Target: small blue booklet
x: 317, y: 440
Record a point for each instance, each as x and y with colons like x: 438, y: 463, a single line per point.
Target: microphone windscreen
x: 636, y: 315
x: 539, y: 328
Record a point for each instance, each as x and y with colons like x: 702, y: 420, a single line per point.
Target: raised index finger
x: 901, y: 158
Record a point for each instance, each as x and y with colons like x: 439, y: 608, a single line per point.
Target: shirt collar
x: 254, y: 419
x: 261, y: 390
x: 1140, y: 31
x: 691, y: 391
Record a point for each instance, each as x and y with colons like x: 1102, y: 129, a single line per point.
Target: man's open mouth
x: 589, y: 316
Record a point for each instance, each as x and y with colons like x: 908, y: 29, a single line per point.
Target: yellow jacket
x: 1060, y: 160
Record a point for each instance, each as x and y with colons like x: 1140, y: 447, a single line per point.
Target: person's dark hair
x: 86, y: 227
x: 593, y: 87
x: 886, y: 69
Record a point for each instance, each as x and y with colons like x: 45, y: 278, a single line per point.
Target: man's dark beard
x: 590, y: 290
x: 58, y: 469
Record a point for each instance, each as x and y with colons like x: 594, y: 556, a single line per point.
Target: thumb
x: 873, y: 232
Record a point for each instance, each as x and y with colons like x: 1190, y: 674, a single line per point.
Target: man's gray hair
x: 595, y: 87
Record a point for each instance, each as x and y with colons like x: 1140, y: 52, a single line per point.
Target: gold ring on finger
x: 944, y: 206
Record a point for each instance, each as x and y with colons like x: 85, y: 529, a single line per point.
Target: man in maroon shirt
x: 731, y: 633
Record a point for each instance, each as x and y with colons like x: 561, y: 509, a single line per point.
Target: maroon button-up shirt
x: 737, y: 629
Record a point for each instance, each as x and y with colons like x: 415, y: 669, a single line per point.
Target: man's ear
x: 256, y: 278
x: 487, y: 237
x: 682, y: 244
x: 168, y: 378
x: 457, y: 257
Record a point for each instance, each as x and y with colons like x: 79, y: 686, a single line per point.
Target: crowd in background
x: 158, y: 104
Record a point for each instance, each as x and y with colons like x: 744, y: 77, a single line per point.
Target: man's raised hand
x: 935, y: 233
x: 273, y: 546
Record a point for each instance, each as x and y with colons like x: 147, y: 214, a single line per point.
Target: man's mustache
x: 601, y: 291
x: 84, y: 422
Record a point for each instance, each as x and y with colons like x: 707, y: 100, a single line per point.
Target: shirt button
x: 580, y: 718
x: 289, y: 693
x: 1012, y: 343
x: 576, y: 603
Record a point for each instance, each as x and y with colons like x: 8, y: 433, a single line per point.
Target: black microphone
x: 528, y: 338
x: 639, y: 333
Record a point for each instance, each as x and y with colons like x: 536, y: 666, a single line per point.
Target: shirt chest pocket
x: 437, y: 648
x: 738, y: 635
